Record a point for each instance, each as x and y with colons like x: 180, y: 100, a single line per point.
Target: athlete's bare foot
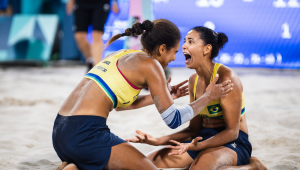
x: 255, y: 163
x: 71, y: 167
x: 62, y: 166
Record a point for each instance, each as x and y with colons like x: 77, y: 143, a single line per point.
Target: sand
x: 30, y: 98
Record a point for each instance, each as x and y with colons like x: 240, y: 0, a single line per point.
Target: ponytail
x: 216, y: 40
x: 137, y: 29
x: 221, y: 40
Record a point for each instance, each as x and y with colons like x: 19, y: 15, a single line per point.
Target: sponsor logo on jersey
x: 101, y: 68
x: 126, y: 102
x: 106, y: 62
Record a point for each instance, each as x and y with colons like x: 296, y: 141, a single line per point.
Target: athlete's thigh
x: 161, y: 159
x: 125, y: 156
x: 214, y: 158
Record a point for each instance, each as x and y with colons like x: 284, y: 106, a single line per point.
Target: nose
x: 183, y: 46
x: 174, y: 58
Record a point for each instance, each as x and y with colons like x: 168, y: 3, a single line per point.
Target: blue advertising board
x: 27, y: 37
x: 262, y: 33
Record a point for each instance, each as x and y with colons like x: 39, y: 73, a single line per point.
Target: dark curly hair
x: 216, y: 40
x: 154, y: 34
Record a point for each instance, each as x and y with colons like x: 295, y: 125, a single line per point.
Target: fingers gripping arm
x: 172, y: 115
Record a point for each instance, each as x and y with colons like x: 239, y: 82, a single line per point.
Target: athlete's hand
x: 217, y: 91
x: 142, y: 137
x: 70, y: 6
x: 177, y: 91
x: 183, y: 147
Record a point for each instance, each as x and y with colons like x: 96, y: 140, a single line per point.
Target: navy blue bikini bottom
x: 241, y: 145
x: 85, y: 141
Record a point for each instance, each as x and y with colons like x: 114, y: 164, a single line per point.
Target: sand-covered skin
x: 31, y: 97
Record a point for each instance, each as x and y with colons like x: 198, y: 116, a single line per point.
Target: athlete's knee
x: 214, y: 159
x: 71, y: 167
x: 154, y: 157
x: 157, y: 155
x: 206, y: 167
x: 97, y: 36
x: 206, y: 164
x: 161, y: 159
x: 62, y: 166
x: 79, y: 36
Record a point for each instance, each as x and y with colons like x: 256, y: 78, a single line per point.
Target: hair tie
x: 143, y: 26
x: 132, y: 32
x: 124, y: 34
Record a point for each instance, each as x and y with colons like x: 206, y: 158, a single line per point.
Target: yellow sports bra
x: 214, y: 109
x: 111, y: 80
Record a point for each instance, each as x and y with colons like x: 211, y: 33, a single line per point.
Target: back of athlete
x: 88, y: 99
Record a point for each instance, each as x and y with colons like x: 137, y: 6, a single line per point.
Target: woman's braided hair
x: 154, y: 34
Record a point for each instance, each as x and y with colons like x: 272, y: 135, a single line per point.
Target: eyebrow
x: 188, y: 38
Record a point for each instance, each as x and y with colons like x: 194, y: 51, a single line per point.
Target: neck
x: 145, y: 51
x: 205, y: 70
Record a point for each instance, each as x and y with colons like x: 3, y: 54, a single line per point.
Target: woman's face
x: 169, y: 55
x: 193, y: 49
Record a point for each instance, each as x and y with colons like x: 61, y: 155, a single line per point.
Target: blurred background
x: 261, y: 33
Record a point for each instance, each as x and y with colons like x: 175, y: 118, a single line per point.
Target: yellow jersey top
x: 111, y: 80
x: 214, y: 109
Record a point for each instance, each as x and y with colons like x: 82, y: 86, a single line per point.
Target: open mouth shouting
x: 188, y: 57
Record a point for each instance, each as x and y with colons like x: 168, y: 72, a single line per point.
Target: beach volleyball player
x: 218, y: 137
x: 80, y: 134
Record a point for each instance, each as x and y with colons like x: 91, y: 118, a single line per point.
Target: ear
x: 207, y: 49
x: 161, y: 49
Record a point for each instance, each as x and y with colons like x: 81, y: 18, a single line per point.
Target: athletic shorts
x: 241, y: 145
x: 91, y: 13
x: 85, y: 141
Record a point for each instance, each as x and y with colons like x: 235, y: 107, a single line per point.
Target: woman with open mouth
x: 218, y: 137
x: 81, y: 137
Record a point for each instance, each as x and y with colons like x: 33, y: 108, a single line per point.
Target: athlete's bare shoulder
x: 192, y: 82
x: 144, y: 61
x: 227, y: 73
x: 113, y: 53
x: 192, y: 78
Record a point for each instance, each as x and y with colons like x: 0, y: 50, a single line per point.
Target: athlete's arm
x: 192, y: 130
x: 141, y: 101
x: 172, y: 115
x: 231, y: 107
x: 176, y: 92
x: 184, y: 135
